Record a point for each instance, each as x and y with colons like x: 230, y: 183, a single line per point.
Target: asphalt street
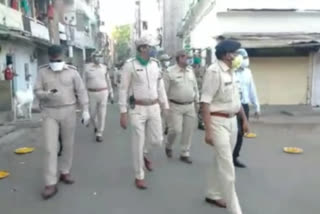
x: 273, y: 183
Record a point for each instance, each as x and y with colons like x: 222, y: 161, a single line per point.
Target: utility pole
x: 138, y: 21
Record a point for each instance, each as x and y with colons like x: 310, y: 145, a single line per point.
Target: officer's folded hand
x: 197, y: 107
x: 165, y: 113
x: 124, y: 120
x: 245, y: 126
x: 209, y: 138
x: 111, y: 98
x: 53, y: 92
x: 85, y: 118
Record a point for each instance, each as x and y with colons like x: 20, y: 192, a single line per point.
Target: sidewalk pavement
x: 272, y: 115
x: 9, y: 131
x: 285, y: 115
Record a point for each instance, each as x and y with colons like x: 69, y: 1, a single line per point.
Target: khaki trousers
x: 55, y: 119
x: 181, y: 122
x: 146, y: 126
x: 221, y: 176
x: 98, y: 102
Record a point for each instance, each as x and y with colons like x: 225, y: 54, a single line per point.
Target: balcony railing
x: 10, y: 18
x: 83, y: 39
x: 39, y: 30
x: 36, y: 28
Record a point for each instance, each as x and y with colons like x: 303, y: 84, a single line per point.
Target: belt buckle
x: 231, y: 115
x: 150, y: 102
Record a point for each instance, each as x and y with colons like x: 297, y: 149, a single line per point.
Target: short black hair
x: 226, y: 46
x: 55, y: 50
x: 139, y: 48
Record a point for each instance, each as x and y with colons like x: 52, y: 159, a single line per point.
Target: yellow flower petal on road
x: 293, y: 150
x: 250, y: 135
x: 4, y: 174
x: 24, y: 150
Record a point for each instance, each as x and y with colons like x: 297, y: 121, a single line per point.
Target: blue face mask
x: 152, y: 52
x: 190, y: 61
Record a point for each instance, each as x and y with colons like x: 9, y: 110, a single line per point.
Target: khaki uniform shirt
x: 220, y: 89
x: 144, y: 82
x: 97, y: 77
x: 68, y: 83
x: 181, y: 84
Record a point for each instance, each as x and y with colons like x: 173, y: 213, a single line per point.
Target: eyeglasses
x: 56, y: 60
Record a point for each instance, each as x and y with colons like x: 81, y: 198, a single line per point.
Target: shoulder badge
x: 43, y: 66
x: 71, y: 67
x: 130, y: 59
x: 155, y: 60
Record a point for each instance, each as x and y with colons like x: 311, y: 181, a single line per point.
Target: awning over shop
x: 23, y: 36
x: 274, y: 40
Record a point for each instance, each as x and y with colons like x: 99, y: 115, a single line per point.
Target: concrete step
x: 4, y: 130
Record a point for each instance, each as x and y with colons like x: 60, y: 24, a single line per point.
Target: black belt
x: 220, y: 114
x: 181, y: 103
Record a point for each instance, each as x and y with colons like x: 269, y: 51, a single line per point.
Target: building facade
x: 29, y: 27
x: 282, y: 38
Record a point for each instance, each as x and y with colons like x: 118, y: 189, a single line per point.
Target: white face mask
x: 167, y: 64
x: 57, y: 66
x: 245, y: 63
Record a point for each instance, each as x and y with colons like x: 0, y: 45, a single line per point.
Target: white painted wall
x: 219, y: 20
x: 22, y: 53
x: 39, y: 30
x: 10, y: 17
x: 315, y: 89
x: 202, y: 34
x: 217, y: 23
x: 268, y: 22
x: 150, y: 12
x: 270, y: 4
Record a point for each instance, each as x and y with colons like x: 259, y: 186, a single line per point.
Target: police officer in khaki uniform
x: 199, y: 71
x: 165, y: 61
x: 182, y: 91
x: 142, y: 83
x: 58, y: 86
x: 221, y: 104
x: 98, y: 83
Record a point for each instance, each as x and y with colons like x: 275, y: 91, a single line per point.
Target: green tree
x: 121, y: 35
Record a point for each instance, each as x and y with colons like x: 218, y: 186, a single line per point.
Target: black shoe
x: 99, y: 139
x: 60, y: 149
x: 169, y: 153
x: 219, y: 203
x: 186, y: 159
x: 238, y: 164
x: 201, y: 126
x: 166, y: 131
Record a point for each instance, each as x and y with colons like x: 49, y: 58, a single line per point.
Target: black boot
x: 200, y: 126
x: 238, y: 164
x: 60, y: 146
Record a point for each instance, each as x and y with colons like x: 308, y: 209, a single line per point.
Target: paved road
x: 274, y: 183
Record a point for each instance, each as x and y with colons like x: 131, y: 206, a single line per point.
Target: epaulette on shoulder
x: 72, y: 67
x: 156, y: 61
x: 43, y: 66
x: 190, y: 68
x: 213, y: 68
x: 130, y: 59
